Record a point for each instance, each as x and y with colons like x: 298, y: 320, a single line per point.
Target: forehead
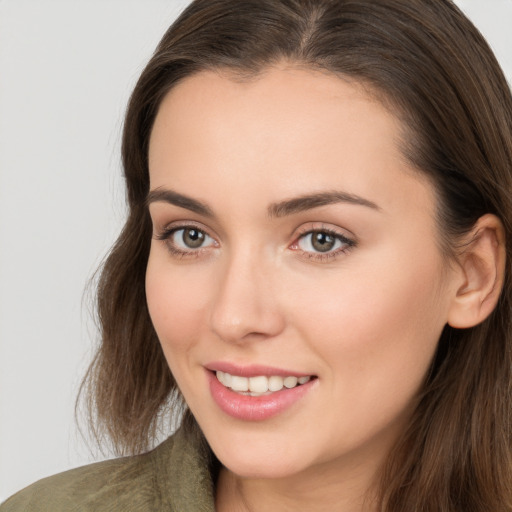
x: 286, y: 131
x: 276, y: 95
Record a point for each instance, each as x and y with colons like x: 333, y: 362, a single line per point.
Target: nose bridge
x: 244, y: 304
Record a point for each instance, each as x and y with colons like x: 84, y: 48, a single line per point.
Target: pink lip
x: 251, y: 370
x: 255, y: 408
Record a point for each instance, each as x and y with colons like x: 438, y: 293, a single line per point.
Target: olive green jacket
x: 174, y: 477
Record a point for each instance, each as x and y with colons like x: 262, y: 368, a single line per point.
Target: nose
x: 245, y: 306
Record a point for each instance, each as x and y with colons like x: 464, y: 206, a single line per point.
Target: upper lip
x: 252, y: 370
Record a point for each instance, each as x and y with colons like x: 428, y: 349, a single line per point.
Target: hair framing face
x: 430, y: 66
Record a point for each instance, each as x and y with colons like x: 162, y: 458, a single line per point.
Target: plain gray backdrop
x: 66, y: 70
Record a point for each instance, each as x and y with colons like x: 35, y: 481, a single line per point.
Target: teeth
x: 290, y: 382
x: 239, y: 383
x: 275, y: 383
x: 259, y: 385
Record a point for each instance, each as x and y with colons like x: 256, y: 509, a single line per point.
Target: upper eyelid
x: 332, y: 233
x: 173, y: 229
x: 297, y: 233
x: 328, y: 228
x: 176, y: 225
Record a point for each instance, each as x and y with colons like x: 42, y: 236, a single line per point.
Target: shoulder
x: 127, y: 484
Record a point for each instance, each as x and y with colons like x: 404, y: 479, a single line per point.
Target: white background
x: 66, y: 70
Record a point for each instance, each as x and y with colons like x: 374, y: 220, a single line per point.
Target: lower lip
x: 255, y: 408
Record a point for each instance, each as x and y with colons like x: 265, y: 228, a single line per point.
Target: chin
x: 257, y: 457
x: 260, y: 469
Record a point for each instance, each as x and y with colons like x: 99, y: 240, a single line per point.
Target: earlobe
x: 482, y: 264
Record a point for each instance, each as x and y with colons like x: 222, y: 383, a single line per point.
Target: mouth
x: 257, y: 393
x: 260, y: 385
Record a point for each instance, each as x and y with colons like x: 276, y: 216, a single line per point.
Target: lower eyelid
x: 325, y: 256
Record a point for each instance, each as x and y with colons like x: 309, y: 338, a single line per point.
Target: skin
x: 364, y: 318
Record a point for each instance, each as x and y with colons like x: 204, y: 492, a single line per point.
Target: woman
x: 316, y: 262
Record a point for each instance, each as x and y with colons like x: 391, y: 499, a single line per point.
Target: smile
x: 259, y: 385
x: 260, y: 395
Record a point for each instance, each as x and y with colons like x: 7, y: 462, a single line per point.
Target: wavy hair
x: 432, y: 68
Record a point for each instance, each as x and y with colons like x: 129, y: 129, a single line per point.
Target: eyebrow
x: 310, y: 201
x: 280, y: 209
x: 172, y: 197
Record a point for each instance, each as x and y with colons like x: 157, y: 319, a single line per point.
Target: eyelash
x: 347, y: 243
x: 167, y: 234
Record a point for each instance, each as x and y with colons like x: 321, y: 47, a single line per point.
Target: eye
x: 318, y: 241
x: 186, y: 240
x: 322, y: 243
x: 190, y: 238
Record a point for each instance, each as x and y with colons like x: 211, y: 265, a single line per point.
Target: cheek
x: 176, y: 302
x: 377, y: 329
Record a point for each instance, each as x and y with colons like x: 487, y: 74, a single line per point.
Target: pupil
x: 323, y: 242
x: 193, y: 238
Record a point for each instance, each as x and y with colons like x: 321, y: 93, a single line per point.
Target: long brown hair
x: 429, y: 65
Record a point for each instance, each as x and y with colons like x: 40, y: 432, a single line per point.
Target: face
x: 294, y: 278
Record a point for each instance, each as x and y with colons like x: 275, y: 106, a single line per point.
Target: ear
x: 482, y: 266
